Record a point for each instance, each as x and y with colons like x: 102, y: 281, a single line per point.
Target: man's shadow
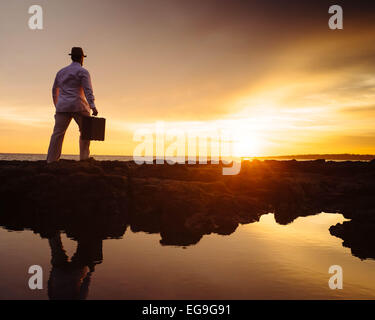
x: 70, y: 279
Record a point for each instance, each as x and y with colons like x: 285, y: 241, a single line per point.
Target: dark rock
x: 181, y: 202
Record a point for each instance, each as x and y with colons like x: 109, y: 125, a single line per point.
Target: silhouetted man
x: 73, y: 98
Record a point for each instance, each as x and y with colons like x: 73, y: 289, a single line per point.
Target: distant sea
x: 38, y: 157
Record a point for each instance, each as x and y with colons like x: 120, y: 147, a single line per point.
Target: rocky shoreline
x: 182, y: 202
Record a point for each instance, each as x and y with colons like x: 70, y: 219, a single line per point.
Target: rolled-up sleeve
x: 87, y: 88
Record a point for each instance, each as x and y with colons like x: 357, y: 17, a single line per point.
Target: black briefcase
x: 93, y: 128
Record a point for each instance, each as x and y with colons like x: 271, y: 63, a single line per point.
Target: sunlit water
x: 261, y: 260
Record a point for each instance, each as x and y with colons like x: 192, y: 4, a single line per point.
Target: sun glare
x: 246, y: 144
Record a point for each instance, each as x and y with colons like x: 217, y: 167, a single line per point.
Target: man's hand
x: 94, y: 112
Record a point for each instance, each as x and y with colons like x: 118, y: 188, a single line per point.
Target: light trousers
x: 62, y: 121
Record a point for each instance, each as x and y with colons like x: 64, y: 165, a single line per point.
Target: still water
x: 260, y: 260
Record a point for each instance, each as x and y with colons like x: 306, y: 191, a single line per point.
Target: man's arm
x: 55, y: 92
x: 87, y: 88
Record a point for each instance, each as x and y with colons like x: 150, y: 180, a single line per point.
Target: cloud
x: 183, y: 61
x: 368, y: 110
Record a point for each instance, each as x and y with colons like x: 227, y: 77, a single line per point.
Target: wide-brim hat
x: 77, y: 52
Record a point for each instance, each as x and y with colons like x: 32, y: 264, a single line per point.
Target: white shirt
x: 72, y: 89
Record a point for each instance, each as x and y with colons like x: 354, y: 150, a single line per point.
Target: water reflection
x: 265, y: 259
x: 180, y: 222
x: 70, y: 279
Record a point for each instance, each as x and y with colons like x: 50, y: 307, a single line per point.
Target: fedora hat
x: 77, y: 51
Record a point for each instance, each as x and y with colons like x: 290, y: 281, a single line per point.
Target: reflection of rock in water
x: 93, y: 201
x: 181, y: 202
x: 359, y: 236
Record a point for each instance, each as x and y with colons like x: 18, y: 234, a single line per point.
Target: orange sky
x: 279, y: 75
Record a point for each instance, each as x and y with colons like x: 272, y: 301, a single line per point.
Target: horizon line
x: 249, y: 156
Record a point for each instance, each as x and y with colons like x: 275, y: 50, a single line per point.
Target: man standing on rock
x: 73, y: 98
